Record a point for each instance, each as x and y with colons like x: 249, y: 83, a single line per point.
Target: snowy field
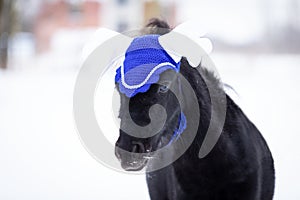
x: 41, y: 156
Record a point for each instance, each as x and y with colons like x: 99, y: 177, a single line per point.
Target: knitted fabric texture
x: 145, y: 60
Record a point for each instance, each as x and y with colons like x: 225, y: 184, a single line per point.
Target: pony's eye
x: 163, y: 88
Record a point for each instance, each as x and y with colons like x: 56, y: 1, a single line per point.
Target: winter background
x: 256, y: 50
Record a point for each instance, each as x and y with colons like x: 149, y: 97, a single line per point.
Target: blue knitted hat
x: 145, y: 60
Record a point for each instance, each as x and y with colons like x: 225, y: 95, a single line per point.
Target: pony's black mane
x: 156, y: 26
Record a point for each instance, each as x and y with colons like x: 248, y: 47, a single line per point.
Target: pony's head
x: 150, y: 75
x: 147, y: 77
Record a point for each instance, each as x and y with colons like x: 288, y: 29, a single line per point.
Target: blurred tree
x: 7, y: 22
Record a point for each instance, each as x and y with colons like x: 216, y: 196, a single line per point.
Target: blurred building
x: 63, y: 14
x: 53, y: 16
x: 255, y: 26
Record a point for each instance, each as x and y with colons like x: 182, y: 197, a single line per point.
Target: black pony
x: 239, y: 167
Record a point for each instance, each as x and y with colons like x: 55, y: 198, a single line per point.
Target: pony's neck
x: 198, y: 81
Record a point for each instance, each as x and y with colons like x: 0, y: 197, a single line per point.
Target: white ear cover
x: 181, y: 41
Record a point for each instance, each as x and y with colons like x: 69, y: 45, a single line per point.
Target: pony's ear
x: 184, y: 65
x: 180, y: 43
x: 191, y: 30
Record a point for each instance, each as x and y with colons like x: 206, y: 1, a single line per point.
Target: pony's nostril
x: 135, y: 148
x: 138, y: 147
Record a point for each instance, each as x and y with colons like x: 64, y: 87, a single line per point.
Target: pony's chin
x: 134, y: 165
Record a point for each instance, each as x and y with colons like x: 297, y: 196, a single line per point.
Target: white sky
x: 232, y: 20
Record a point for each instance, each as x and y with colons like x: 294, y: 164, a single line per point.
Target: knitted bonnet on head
x: 145, y: 60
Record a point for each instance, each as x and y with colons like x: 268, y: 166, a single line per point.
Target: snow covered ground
x: 41, y: 156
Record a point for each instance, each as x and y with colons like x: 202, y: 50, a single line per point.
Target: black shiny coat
x: 240, y: 166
